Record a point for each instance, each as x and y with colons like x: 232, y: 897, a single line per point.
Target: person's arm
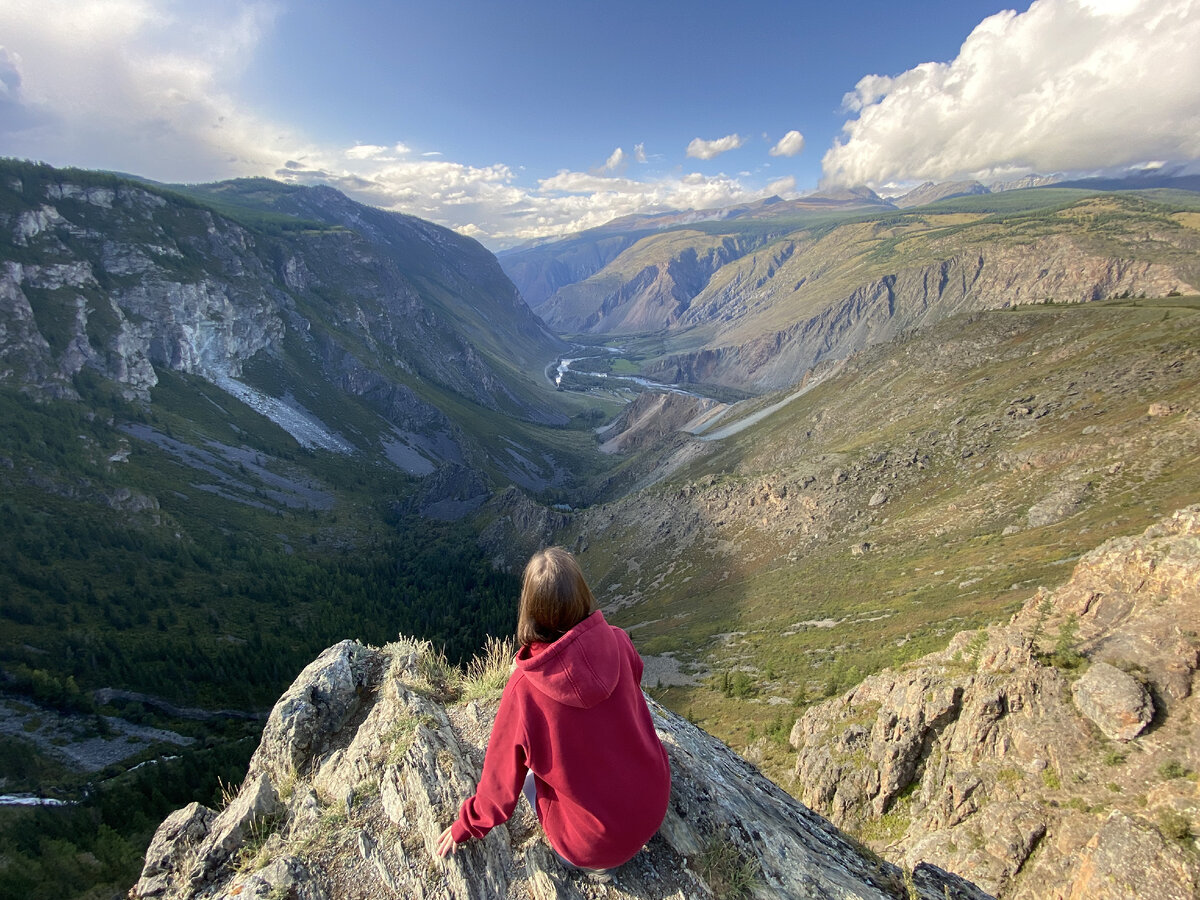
x: 504, y: 768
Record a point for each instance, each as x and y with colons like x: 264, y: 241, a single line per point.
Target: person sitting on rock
x: 573, y: 731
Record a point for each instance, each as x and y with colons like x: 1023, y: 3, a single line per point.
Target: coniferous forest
x: 195, y: 601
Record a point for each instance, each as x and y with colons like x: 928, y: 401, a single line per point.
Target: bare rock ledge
x: 363, y: 763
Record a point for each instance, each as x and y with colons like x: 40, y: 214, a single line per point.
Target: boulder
x: 1117, y: 703
x: 171, y: 848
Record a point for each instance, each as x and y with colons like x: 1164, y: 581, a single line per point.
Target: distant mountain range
x: 751, y: 297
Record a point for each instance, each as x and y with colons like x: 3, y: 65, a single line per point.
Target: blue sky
x: 511, y: 121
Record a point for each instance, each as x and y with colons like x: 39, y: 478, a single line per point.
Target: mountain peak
x: 930, y: 192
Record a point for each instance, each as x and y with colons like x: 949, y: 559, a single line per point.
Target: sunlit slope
x: 753, y: 304
x: 927, y: 485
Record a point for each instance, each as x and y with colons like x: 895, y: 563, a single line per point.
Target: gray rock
x: 283, y: 877
x: 256, y: 804
x: 171, y: 848
x: 1118, y: 703
x: 1064, y: 502
x: 410, y: 760
x: 316, y: 705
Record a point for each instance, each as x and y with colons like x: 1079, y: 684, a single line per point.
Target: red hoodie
x: 574, y: 714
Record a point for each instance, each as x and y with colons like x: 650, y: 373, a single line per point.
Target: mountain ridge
x: 806, y: 288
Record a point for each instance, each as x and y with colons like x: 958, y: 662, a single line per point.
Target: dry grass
x: 485, y: 675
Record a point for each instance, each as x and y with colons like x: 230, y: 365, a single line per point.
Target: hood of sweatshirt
x: 580, y: 669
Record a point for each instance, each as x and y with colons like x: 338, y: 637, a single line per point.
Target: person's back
x: 573, y: 715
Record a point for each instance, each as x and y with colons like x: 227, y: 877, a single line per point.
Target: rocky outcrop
x: 1051, y: 757
x: 518, y: 528
x: 656, y: 296
x: 367, y: 756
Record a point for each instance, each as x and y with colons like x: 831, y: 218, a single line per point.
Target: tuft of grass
x: 1175, y: 826
x: 486, y: 674
x: 421, y: 668
x: 253, y: 855
x: 729, y: 873
x: 399, y: 735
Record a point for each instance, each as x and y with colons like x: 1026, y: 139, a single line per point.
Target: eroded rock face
x: 1036, y: 781
x: 363, y: 763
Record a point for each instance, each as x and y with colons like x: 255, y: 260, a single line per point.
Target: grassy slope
x: 939, y: 561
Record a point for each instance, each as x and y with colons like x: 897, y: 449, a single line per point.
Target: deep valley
x: 242, y: 422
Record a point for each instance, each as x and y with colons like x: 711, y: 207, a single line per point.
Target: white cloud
x: 151, y: 87
x: 365, y: 151
x: 138, y: 85
x: 789, y: 145
x: 785, y: 185
x: 701, y: 149
x: 615, y: 160
x: 1069, y: 85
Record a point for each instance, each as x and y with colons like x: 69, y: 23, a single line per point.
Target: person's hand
x: 445, y: 843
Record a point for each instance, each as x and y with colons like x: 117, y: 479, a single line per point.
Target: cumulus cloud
x: 789, y: 145
x: 1069, y: 85
x: 701, y: 149
x: 138, y: 85
x: 152, y: 87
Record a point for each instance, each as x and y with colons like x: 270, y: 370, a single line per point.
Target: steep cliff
x: 755, y: 302
x: 294, y: 300
x: 829, y: 316
x: 366, y: 757
x: 1051, y: 757
x: 649, y: 289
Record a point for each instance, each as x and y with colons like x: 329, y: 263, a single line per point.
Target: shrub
x: 1174, y: 826
x: 1173, y: 768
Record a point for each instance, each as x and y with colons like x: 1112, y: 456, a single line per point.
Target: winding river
x: 564, y: 366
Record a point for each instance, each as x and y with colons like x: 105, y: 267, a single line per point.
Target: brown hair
x: 554, y: 597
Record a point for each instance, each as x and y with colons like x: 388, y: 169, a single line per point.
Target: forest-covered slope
x: 237, y: 422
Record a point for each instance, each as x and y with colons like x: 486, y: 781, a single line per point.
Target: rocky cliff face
x: 76, y: 291
x: 124, y: 280
x: 757, y: 302
x: 1051, y: 757
x: 881, y: 309
x: 367, y: 756
x: 654, y: 297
